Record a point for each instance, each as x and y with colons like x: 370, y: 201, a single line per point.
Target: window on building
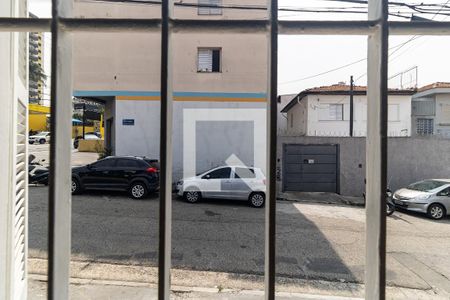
x: 207, y: 7
x: 425, y: 126
x: 208, y: 60
x: 331, y: 112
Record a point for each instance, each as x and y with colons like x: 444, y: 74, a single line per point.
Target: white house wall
x: 297, y: 118
x: 215, y: 140
x: 317, y: 127
x: 142, y: 138
x: 442, y: 119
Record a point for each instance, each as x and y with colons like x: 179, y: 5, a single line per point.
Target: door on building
x: 109, y: 135
x: 310, y: 168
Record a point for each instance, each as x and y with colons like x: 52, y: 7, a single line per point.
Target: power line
x: 337, y: 68
x: 415, y: 37
x: 347, y: 10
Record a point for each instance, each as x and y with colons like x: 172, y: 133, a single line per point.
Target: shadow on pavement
x: 225, y: 236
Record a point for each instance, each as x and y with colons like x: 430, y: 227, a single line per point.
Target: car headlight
x: 424, y: 197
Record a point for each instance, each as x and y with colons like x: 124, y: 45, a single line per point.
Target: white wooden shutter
x: 19, y: 226
x: 205, y: 60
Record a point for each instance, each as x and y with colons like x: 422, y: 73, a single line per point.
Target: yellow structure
x: 38, y: 121
x: 37, y: 117
x: 90, y: 146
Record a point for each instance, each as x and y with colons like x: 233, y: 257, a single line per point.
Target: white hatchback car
x: 226, y: 182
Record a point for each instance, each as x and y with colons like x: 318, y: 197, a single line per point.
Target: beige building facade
x: 211, y: 70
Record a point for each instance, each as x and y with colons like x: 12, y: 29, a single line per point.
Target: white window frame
x: 330, y: 112
x: 211, y: 51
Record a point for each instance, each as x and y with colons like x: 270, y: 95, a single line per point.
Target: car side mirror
x: 207, y: 176
x: 445, y: 194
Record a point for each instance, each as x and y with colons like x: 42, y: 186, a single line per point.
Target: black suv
x: 137, y: 175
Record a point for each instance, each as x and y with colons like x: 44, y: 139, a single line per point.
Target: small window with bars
x: 331, y: 112
x: 209, y: 60
x: 425, y: 126
x: 210, y: 7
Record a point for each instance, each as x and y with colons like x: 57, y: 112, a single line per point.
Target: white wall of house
x: 297, y: 119
x: 282, y: 124
x: 442, y: 120
x: 329, y: 115
x: 142, y: 138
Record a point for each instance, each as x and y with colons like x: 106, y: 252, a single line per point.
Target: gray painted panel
x: 311, y: 187
x: 319, y: 169
x: 216, y: 141
x: 310, y: 168
x: 298, y: 178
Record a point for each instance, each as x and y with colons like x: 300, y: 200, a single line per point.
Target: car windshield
x: 426, y: 185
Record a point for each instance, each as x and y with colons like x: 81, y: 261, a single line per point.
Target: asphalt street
x: 314, y: 241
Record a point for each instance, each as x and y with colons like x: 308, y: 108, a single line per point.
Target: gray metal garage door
x: 310, y: 168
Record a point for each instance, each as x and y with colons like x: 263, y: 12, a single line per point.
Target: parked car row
x: 139, y: 176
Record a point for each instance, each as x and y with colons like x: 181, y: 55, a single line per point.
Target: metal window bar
x: 377, y: 28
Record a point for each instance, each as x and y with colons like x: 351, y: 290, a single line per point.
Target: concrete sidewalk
x: 322, y: 198
x: 82, y: 289
x: 112, y: 281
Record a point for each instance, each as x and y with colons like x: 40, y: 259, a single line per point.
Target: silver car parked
x: 226, y: 182
x: 430, y: 196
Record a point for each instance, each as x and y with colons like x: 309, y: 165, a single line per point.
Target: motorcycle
x: 390, y: 206
x: 37, y: 172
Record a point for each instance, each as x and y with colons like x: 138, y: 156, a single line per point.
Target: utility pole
x: 351, y: 105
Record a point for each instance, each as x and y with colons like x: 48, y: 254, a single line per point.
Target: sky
x: 303, y: 58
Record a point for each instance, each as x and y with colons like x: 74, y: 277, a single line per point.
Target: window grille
x: 425, y: 126
x: 206, y: 7
x: 377, y: 28
x: 331, y: 112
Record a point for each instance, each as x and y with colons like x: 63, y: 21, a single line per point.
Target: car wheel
x: 42, y: 141
x: 436, y: 211
x: 75, y: 186
x: 138, y: 190
x: 192, y: 196
x: 257, y: 199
